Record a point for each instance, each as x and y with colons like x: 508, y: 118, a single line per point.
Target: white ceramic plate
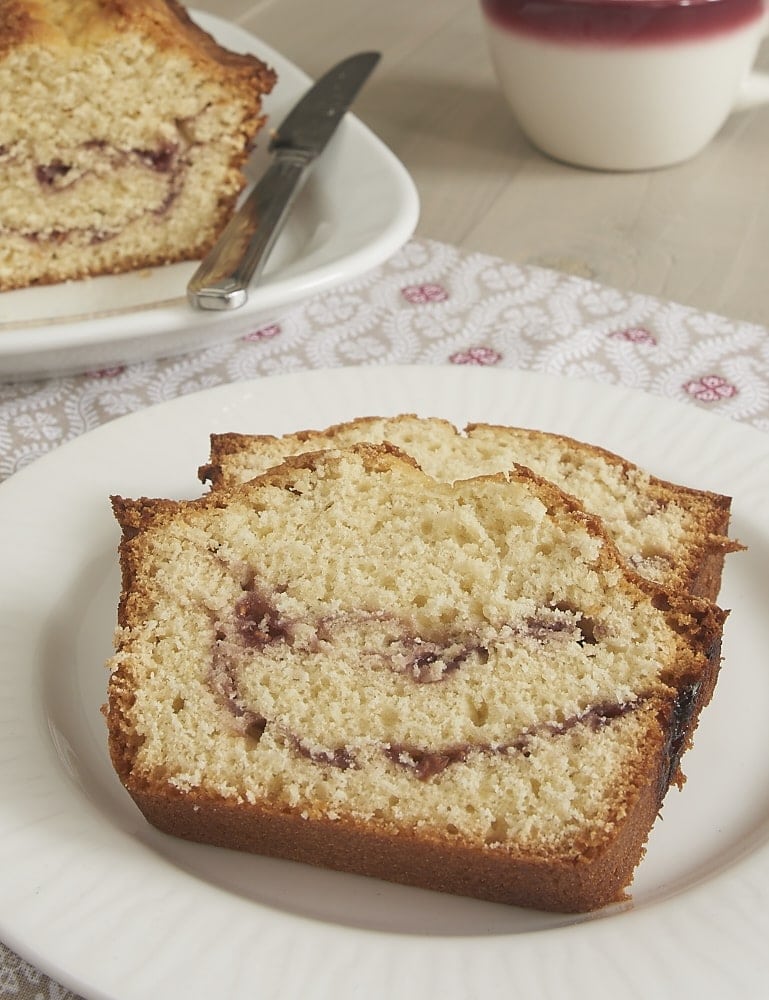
x: 106, y: 904
x: 358, y: 207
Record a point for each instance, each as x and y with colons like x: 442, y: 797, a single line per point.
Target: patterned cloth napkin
x: 429, y: 304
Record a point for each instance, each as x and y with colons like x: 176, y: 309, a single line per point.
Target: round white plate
x: 358, y: 207
x: 103, y: 902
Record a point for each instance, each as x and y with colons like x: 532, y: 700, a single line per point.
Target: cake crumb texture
x: 123, y: 131
x: 456, y: 685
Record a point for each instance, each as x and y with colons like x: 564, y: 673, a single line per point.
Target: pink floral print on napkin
x: 476, y: 356
x: 420, y: 295
x: 635, y: 335
x: 265, y: 332
x: 710, y: 388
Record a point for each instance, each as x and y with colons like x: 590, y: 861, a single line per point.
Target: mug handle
x: 754, y: 89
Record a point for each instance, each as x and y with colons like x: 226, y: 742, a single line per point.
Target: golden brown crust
x: 21, y: 21
x: 170, y: 26
x: 421, y: 861
x: 582, y: 882
x: 167, y: 22
x: 133, y: 516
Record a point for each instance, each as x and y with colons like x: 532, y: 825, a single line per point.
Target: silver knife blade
x: 222, y: 279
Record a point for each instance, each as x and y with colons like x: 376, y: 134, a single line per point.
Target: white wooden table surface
x: 697, y: 233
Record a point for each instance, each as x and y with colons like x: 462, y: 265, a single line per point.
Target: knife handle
x: 222, y: 279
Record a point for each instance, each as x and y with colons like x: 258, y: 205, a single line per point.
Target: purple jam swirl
x: 623, y: 22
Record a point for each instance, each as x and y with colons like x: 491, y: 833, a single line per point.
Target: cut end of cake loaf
x: 670, y: 534
x: 123, y: 130
x: 348, y: 663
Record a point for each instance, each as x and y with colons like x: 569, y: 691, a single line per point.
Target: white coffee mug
x: 625, y: 84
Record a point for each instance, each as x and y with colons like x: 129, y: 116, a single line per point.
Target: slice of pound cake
x: 123, y: 128
x: 671, y: 534
x: 454, y: 686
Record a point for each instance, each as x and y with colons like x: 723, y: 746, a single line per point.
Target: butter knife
x: 222, y: 279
